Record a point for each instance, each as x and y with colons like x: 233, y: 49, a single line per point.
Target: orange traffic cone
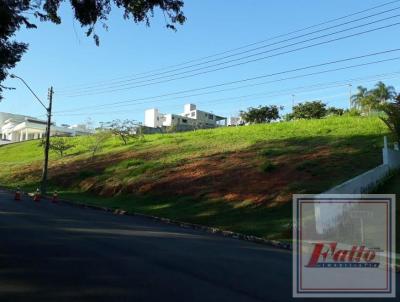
x: 17, y: 196
x: 55, y: 197
x: 36, y: 196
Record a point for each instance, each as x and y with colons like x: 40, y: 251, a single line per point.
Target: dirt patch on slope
x: 232, y: 177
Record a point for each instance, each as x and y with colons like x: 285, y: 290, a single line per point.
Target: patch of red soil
x: 230, y: 176
x: 234, y: 177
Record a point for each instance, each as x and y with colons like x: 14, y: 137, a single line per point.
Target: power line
x: 297, y: 90
x: 115, y: 84
x: 235, y: 88
x: 128, y: 85
x: 248, y: 45
x: 263, y: 76
x: 221, y: 68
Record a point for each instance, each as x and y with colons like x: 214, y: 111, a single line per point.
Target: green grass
x: 392, y: 186
x: 245, y: 217
x: 256, y: 169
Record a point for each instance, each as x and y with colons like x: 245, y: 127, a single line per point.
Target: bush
x: 392, y: 119
x: 352, y: 112
x: 261, y: 114
x: 309, y: 110
x: 334, y: 111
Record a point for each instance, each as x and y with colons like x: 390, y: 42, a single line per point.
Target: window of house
x: 211, y: 117
x: 184, y: 120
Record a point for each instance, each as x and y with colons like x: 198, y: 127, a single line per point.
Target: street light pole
x: 43, y: 184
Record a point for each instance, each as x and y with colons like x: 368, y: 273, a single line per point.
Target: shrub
x: 309, y: 110
x: 261, y: 114
x: 392, y: 119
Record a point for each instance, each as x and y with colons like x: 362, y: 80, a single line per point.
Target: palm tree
x: 357, y: 99
x: 369, y: 103
x: 383, y: 93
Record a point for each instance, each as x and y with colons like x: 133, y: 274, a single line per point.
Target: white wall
x: 360, y: 184
x: 189, y: 107
x: 150, y: 118
x: 191, y: 117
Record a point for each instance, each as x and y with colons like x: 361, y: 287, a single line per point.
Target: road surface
x: 56, y: 252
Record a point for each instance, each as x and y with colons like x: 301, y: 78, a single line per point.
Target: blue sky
x: 64, y: 57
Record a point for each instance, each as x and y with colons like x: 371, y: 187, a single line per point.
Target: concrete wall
x: 150, y: 118
x: 3, y: 142
x: 362, y: 183
x: 367, y: 181
x: 391, y: 158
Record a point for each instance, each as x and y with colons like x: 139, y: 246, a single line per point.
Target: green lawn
x: 392, y: 186
x: 238, y: 178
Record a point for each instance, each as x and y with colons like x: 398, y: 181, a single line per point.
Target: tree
x: 125, y: 130
x: 334, y: 111
x: 369, y: 100
x: 89, y: 13
x: 96, y: 141
x: 261, y: 114
x: 383, y: 93
x: 392, y: 118
x: 357, y: 98
x: 60, y: 145
x: 309, y: 110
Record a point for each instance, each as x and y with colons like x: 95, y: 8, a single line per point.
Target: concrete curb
x: 186, y: 225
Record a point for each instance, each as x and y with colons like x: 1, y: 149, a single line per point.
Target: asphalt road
x: 56, y: 252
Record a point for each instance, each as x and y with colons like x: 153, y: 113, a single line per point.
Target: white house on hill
x: 17, y: 128
x: 191, y: 118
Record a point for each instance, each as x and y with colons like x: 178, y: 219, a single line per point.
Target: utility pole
x: 350, y: 103
x: 293, y: 101
x: 43, y: 186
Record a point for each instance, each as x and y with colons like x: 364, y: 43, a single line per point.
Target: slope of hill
x: 392, y: 186
x: 238, y: 178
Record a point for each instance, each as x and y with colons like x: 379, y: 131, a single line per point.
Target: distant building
x: 17, y: 128
x: 190, y: 119
x: 235, y: 121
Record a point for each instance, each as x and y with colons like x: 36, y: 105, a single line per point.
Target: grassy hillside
x: 239, y: 179
x: 392, y: 186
